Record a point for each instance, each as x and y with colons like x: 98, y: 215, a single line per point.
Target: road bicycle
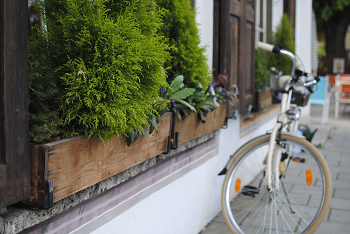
x: 278, y: 182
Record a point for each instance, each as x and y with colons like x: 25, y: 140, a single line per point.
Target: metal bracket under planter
x: 87, y: 161
x: 50, y: 194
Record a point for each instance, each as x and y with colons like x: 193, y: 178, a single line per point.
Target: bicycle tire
x: 272, y: 212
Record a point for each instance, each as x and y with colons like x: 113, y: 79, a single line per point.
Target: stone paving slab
x: 343, y: 194
x: 339, y: 203
x: 327, y: 227
x: 339, y: 216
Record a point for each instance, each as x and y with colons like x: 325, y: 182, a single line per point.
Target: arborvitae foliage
x: 107, y: 63
x: 261, y: 70
x: 283, y: 37
x: 188, y: 57
x: 44, y: 123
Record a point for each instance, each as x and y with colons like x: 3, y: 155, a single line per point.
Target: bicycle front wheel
x: 297, y: 205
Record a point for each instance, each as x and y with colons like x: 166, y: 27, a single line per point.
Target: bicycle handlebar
x: 278, y: 50
x: 295, y: 72
x: 265, y: 46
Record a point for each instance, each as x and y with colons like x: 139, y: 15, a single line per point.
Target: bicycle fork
x: 275, y: 148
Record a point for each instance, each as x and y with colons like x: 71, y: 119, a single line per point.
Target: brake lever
x: 317, y: 78
x: 309, y: 84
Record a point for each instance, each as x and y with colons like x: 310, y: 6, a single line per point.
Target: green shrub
x: 44, y: 123
x: 188, y: 57
x: 283, y: 37
x: 261, y: 70
x: 106, y: 60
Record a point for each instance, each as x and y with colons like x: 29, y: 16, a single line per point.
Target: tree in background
x: 333, y: 18
x: 282, y: 37
x: 188, y: 57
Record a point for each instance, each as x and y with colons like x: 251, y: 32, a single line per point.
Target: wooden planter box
x: 76, y: 163
x: 191, y: 127
x: 263, y: 99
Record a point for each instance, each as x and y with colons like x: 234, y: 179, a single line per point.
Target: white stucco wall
x: 204, y: 17
x: 303, y: 32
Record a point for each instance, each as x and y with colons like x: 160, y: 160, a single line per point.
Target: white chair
x: 342, y: 93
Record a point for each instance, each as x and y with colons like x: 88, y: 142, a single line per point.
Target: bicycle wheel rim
x: 313, y: 200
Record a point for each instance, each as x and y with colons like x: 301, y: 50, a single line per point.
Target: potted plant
x: 188, y: 60
x: 282, y: 37
x: 262, y: 90
x: 95, y: 71
x: 98, y: 83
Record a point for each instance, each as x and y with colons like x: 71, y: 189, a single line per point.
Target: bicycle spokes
x: 249, y: 206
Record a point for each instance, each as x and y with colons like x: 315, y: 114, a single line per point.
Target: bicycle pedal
x: 297, y: 159
x: 249, y: 190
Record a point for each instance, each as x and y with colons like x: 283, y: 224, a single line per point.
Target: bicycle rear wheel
x: 297, y: 206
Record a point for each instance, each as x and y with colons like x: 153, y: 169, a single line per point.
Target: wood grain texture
x: 14, y: 127
x: 191, y: 127
x: 77, y: 163
x: 263, y: 99
x: 235, y: 8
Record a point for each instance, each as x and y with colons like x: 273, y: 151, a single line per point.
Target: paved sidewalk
x: 334, y: 141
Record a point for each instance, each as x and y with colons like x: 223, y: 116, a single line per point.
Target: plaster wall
x: 204, y: 17
x: 303, y: 32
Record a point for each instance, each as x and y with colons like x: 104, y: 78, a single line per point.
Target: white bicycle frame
x: 281, y: 122
x: 273, y: 146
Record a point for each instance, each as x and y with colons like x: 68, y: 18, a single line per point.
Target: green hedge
x: 106, y: 62
x: 261, y: 70
x: 283, y: 37
x: 187, y: 56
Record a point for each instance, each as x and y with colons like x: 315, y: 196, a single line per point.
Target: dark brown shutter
x: 233, y: 50
x: 247, y: 55
x: 14, y: 136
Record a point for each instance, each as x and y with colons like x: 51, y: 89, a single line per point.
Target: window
x: 263, y: 21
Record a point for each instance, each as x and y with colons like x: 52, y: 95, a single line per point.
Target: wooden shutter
x: 14, y: 136
x: 233, y: 54
x: 247, y: 54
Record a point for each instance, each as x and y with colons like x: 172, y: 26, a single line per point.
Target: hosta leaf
x: 182, y: 94
x: 177, y: 83
x: 131, y: 136
x: 185, y: 103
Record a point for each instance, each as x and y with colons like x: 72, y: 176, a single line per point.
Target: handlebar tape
x: 268, y: 47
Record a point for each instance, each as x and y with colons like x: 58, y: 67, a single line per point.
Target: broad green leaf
x: 185, y: 103
x: 153, y: 123
x: 178, y: 114
x: 182, y: 94
x: 131, y: 136
x: 199, y: 86
x: 139, y: 131
x: 145, y: 132
x: 151, y: 129
x: 177, y: 83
